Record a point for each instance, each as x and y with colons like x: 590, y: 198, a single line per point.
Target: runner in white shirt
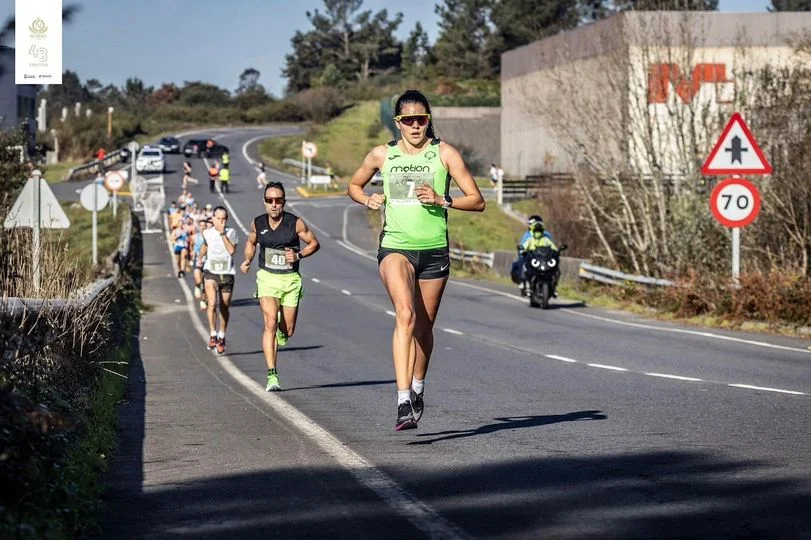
x: 261, y: 178
x: 219, y: 245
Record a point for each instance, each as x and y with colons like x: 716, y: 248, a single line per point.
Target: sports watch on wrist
x: 446, y: 201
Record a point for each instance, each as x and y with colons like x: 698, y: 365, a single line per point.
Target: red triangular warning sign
x: 736, y: 152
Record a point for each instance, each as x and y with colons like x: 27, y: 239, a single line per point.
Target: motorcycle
x: 541, y: 275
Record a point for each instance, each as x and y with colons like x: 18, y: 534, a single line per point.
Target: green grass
x: 57, y: 172
x: 529, y: 207
x: 79, y: 237
x: 343, y: 142
x: 491, y: 230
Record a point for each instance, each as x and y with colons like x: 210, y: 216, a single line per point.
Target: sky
x: 212, y: 40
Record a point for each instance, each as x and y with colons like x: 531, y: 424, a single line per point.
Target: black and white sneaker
x: 417, y: 404
x: 405, y: 417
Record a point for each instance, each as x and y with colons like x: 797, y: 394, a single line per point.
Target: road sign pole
x: 35, y: 232
x: 95, y: 213
x: 309, y: 169
x: 115, y: 202
x: 302, y: 165
x: 736, y: 254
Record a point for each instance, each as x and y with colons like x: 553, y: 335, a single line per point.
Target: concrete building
x: 18, y: 102
x: 640, y: 91
x: 475, y: 131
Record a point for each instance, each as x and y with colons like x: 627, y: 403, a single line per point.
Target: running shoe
x: 405, y: 417
x: 212, y: 343
x: 198, y: 291
x: 221, y: 345
x: 281, y: 338
x: 273, y: 382
x: 417, y: 404
x: 203, y: 305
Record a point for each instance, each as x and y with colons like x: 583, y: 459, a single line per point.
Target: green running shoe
x: 273, y: 382
x: 281, y: 338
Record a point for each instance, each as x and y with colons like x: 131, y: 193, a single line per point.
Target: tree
x: 357, y: 45
x: 790, y: 5
x: 249, y: 81
x: 519, y: 22
x: 167, y: 93
x: 66, y: 94
x: 200, y: 93
x: 417, y: 53
x: 465, y: 46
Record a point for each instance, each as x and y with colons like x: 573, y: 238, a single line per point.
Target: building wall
x: 475, y: 131
x: 597, y: 116
x: 16, y: 101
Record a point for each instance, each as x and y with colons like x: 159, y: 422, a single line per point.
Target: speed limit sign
x: 309, y: 149
x: 114, y: 180
x: 735, y: 202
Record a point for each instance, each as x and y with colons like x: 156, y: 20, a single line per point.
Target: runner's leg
x: 428, y: 295
x: 270, y: 310
x: 212, y: 296
x: 398, y: 279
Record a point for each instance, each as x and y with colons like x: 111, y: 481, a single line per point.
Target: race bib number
x: 275, y: 260
x: 403, y: 186
x: 220, y: 267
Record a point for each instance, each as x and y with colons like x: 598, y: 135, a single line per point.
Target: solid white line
x: 346, y: 292
x: 393, y: 314
x: 347, y: 243
x: 750, y: 387
x: 561, y: 358
x: 355, y: 250
x: 245, y: 149
x: 418, y: 513
x: 677, y: 377
x: 603, y: 366
x: 316, y: 280
x: 454, y: 332
x: 310, y: 224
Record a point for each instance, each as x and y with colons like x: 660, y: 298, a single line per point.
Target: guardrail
x: 93, y: 166
x: 473, y: 256
x: 118, y: 260
x: 615, y: 277
x: 302, y: 165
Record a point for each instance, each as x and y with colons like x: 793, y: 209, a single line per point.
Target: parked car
x: 377, y: 179
x: 125, y: 155
x: 150, y: 160
x: 169, y: 145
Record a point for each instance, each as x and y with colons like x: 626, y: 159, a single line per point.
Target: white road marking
x: 603, y: 366
x: 561, y: 358
x: 750, y: 387
x: 676, y: 377
x: 418, y: 513
x: 344, y: 291
x: 454, y: 332
x: 346, y: 243
x: 389, y: 312
x: 316, y: 280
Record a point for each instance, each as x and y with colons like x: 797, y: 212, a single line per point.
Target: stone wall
x: 475, y: 131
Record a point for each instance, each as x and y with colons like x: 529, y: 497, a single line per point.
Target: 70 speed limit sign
x: 735, y: 202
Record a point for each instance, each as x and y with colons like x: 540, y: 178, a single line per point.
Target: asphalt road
x: 568, y: 423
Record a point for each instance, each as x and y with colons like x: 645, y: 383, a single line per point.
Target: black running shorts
x: 427, y: 263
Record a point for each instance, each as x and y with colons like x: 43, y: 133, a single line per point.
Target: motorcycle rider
x: 536, y: 237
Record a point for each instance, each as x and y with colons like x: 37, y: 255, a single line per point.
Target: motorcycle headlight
x: 552, y: 263
x: 535, y: 263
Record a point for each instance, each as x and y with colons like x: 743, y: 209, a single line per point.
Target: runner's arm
x: 250, y: 249
x: 472, y: 199
x: 308, y: 237
x: 203, y: 250
x: 371, y: 164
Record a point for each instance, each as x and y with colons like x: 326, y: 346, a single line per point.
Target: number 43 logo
x: 40, y: 54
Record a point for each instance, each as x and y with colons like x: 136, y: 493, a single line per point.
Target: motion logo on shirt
x: 410, y: 168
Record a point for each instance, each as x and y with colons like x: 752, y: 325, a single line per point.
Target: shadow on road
x: 342, y: 385
x: 514, y: 422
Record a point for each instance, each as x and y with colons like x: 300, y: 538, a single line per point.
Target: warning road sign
x: 735, y: 202
x: 736, y: 152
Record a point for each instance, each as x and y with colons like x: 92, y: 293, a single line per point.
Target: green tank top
x: 410, y: 224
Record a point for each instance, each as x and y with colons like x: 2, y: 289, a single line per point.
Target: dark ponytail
x: 416, y: 97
